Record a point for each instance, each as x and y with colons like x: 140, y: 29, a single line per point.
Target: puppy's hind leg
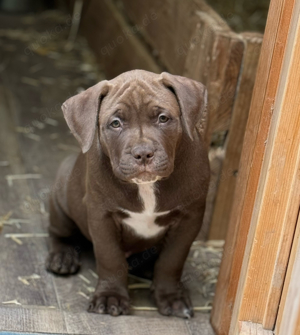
x: 63, y: 258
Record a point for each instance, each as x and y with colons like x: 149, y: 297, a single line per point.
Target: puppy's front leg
x: 111, y: 295
x: 170, y: 296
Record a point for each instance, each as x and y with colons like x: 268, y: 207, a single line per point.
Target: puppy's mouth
x: 143, y: 174
x: 145, y: 178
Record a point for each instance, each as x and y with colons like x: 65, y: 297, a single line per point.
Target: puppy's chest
x: 145, y: 223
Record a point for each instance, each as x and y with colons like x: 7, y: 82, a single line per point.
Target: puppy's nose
x: 143, y: 154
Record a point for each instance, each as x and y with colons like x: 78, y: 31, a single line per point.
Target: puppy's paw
x: 109, y: 303
x: 176, y: 304
x: 63, y: 262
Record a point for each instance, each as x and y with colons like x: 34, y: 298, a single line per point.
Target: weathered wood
x: 250, y: 328
x: 276, y: 205
x: 287, y: 321
x: 234, y: 141
x: 50, y: 321
x: 114, y: 41
x: 26, y: 259
x: 214, y: 57
x: 251, y: 161
x: 26, y: 319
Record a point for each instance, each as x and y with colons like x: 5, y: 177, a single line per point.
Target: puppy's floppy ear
x: 81, y: 113
x: 192, y: 99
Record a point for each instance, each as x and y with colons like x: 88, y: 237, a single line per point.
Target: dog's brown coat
x: 92, y: 189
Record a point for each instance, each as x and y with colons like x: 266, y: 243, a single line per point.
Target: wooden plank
x: 35, y: 320
x: 84, y: 323
x: 275, y: 211
x: 51, y: 321
x: 114, y: 41
x: 288, y: 319
x: 296, y: 242
x: 251, y: 161
x: 234, y: 141
x: 214, y: 57
x: 25, y: 259
x: 250, y: 328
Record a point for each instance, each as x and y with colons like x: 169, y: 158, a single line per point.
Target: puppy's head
x: 141, y: 117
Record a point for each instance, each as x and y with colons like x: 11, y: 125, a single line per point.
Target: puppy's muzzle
x: 143, y: 154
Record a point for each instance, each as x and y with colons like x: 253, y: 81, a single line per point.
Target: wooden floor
x: 36, y: 77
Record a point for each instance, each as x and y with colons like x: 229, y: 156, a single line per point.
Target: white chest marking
x: 144, y: 223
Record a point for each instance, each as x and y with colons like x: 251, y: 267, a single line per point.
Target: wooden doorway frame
x: 267, y: 195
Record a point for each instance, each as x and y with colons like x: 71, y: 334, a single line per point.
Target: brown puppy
x: 140, y: 181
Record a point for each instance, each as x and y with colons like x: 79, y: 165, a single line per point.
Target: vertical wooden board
x: 286, y: 305
x: 200, y: 49
x: 251, y: 160
x: 116, y: 43
x: 234, y: 141
x: 214, y: 57
x: 221, y: 112
x: 277, y: 197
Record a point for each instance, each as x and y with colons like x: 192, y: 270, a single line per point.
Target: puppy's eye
x: 116, y: 124
x: 163, y: 118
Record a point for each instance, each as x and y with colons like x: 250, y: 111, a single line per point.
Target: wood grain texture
x: 234, y: 140
x: 214, y: 57
x: 29, y: 257
x: 277, y: 200
x: 43, y: 320
x: 288, y: 318
x: 256, y: 134
x: 293, y: 255
x: 250, y: 328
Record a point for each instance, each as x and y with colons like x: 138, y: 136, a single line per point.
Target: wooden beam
x: 277, y: 200
x: 251, y: 161
x: 234, y: 141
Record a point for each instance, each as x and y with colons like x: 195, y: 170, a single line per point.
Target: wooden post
x: 234, y: 141
x: 255, y: 144
x: 277, y: 200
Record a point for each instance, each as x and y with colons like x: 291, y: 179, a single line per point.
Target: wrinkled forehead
x: 137, y: 96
